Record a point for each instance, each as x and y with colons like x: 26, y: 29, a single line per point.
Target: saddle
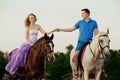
x: 80, y: 56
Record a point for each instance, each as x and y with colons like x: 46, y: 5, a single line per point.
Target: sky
x: 56, y: 14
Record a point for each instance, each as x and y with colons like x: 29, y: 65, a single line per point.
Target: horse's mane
x: 101, y: 33
x: 40, y: 39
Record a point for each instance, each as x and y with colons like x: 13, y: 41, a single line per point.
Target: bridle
x: 52, y: 47
x: 101, y: 48
x: 42, y: 54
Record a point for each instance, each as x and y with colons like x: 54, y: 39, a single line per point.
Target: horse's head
x: 49, y: 47
x: 104, y: 41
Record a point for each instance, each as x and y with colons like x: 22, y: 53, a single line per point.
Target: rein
x: 91, y: 51
x: 39, y: 52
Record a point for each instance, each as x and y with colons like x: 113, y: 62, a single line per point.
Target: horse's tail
x: 21, y: 72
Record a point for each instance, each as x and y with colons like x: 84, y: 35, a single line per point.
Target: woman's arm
x: 43, y: 31
x: 26, y: 37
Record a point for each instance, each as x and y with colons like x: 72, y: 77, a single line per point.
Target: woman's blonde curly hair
x: 27, y: 22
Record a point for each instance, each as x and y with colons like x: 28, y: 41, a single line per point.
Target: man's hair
x: 86, y: 10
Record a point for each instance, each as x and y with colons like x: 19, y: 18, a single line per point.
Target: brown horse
x: 35, y: 62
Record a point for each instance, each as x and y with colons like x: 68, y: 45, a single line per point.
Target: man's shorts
x: 80, y: 45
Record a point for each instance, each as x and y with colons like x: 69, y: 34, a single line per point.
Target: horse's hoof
x: 46, y: 75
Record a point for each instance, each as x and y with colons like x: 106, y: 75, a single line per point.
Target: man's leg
x: 76, y: 62
x: 77, y: 52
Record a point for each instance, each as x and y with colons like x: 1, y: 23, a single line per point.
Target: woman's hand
x: 31, y: 44
x: 57, y: 30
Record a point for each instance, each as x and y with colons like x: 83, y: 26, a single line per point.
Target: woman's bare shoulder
x: 37, y: 26
x: 26, y: 28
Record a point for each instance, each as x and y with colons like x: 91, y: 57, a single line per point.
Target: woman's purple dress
x: 17, y: 57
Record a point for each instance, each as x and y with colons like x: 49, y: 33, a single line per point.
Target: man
x: 87, y: 27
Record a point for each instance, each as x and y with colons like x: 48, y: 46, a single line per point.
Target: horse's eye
x: 101, y: 41
x: 46, y: 45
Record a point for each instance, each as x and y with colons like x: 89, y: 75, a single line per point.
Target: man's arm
x: 66, y: 29
x: 95, y: 32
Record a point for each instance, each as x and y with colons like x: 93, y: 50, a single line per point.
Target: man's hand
x: 66, y: 29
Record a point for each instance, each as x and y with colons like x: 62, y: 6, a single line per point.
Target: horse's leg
x: 97, y: 75
x: 82, y: 78
x: 12, y: 77
x: 86, y: 74
x: 28, y: 77
x: 23, y: 78
x: 39, y: 77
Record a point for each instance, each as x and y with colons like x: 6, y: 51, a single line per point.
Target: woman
x: 17, y: 57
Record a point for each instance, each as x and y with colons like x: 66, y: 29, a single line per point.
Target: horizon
x: 53, y: 14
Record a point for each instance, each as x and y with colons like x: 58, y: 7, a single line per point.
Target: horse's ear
x: 45, y: 36
x: 52, y: 37
x: 107, y: 30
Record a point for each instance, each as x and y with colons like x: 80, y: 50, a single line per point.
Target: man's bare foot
x: 76, y: 73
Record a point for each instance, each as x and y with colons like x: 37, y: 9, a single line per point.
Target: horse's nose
x: 51, y: 57
x: 107, y: 54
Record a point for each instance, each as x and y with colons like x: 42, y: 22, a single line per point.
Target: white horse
x: 91, y: 61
